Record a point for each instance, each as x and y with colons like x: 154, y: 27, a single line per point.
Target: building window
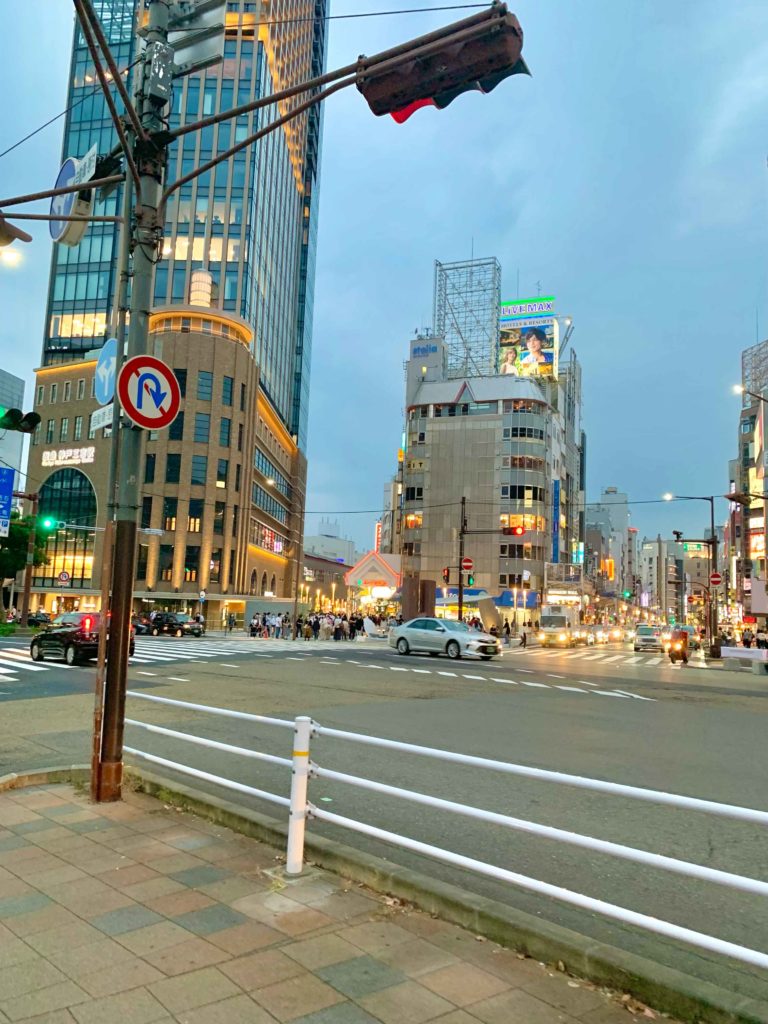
x: 181, y: 377
x: 77, y: 433
x: 36, y: 435
x: 218, y: 517
x: 170, y: 508
x: 202, y: 427
x: 214, y: 567
x: 242, y: 398
x: 173, y: 468
x: 67, y: 495
x: 176, y: 429
x: 141, y: 562
x: 235, y: 520
x: 237, y: 477
x: 204, y: 386
x: 227, y: 386
x: 49, y: 429
x: 40, y: 394
x: 195, y: 515
x: 225, y: 432
x: 191, y: 563
x: 222, y: 472
x: 199, y: 469
x: 165, y: 562
x: 81, y: 389
x: 64, y: 428
x: 414, y: 493
x: 54, y: 392
x: 93, y: 386
x: 149, y: 468
x: 67, y: 391
x: 240, y: 437
x: 146, y: 513
x: 413, y: 520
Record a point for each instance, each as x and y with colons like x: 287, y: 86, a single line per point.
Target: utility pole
x: 33, y: 499
x: 147, y: 232
x: 714, y: 642
x: 462, y: 532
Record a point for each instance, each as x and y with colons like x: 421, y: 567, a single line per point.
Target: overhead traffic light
x: 15, y: 419
x: 471, y: 580
x: 513, y: 531
x: 473, y: 54
x: 446, y: 575
x: 48, y: 524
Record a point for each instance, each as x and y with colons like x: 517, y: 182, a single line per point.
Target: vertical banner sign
x: 556, y: 521
x: 6, y: 499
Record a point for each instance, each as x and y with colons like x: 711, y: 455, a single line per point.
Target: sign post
x: 6, y: 499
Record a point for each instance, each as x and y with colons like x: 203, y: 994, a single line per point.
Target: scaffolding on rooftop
x: 467, y: 296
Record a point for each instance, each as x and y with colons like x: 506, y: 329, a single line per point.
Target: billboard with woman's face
x: 529, y: 349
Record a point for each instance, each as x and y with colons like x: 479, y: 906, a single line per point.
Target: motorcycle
x: 677, y: 652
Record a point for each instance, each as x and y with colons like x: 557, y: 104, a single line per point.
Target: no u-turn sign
x: 148, y: 392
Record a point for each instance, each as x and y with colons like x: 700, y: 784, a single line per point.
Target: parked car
x: 648, y: 638
x: 175, y: 624
x: 38, y: 619
x: 443, y: 636
x: 73, y: 637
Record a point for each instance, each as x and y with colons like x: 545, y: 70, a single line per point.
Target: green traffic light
x: 48, y: 523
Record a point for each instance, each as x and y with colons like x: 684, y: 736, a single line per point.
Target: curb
x: 78, y: 774
x: 663, y: 988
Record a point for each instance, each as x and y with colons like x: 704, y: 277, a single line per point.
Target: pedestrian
x: 747, y: 637
x: 253, y: 628
x: 761, y: 638
x: 523, y: 639
x: 315, y: 626
x: 507, y: 633
x: 231, y: 622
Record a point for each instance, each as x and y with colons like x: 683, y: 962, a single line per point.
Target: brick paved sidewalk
x: 132, y: 913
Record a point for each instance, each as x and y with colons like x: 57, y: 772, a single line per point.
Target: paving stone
x: 197, y: 988
x: 86, y: 959
x: 44, y: 1000
x: 51, y: 877
x: 557, y: 992
x: 14, y: 906
x: 343, y: 1013
x: 150, y: 889
x: 408, y: 1003
x: 173, y: 862
x: 344, y: 906
x: 458, y: 1017
x: 135, y: 1007
x: 127, y: 919
x: 86, y: 892
x: 463, y: 984
x: 177, y: 903
x: 14, y: 951
x: 417, y: 957
x: 300, y: 922
x: 109, y: 981
x: 197, y: 876
x: 211, y: 919
x: 230, y: 889
x: 375, y: 936
x: 157, y: 936
x: 611, y: 1014
x: 245, y: 938
x: 26, y: 977
x: 188, y: 956
x: 55, y: 1017
x: 261, y: 969
x: 360, y: 977
x: 122, y: 877
x: 112, y: 899
x: 321, y: 951
x: 36, y: 825
x: 516, y: 1005
x: 67, y: 937
x: 237, y: 1010
x: 297, y: 997
x: 43, y: 920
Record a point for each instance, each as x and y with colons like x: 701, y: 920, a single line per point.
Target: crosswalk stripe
x: 654, y: 661
x: 616, y: 657
x: 24, y: 666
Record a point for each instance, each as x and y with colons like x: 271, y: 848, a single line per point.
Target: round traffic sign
x: 715, y: 578
x: 63, y: 577
x: 467, y: 564
x: 691, y: 599
x: 104, y: 386
x: 61, y: 206
x: 148, y: 392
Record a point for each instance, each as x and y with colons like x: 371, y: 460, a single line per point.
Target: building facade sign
x: 69, y: 456
x: 540, y: 306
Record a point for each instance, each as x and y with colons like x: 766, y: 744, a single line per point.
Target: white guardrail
x: 301, y: 810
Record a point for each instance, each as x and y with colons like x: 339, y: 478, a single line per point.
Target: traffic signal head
x: 513, y: 531
x: 15, y: 419
x: 446, y: 575
x: 471, y: 580
x: 48, y: 524
x: 473, y: 54
x: 627, y: 594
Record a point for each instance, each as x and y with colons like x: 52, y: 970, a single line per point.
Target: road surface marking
x: 510, y: 682
x: 146, y: 673
x: 654, y: 661
x: 447, y: 674
x: 634, y: 661
x: 13, y: 665
x: 551, y: 675
x: 465, y: 676
x: 423, y: 671
x: 226, y: 664
x: 289, y: 658
x: 585, y: 683
x: 610, y: 693
x: 177, y: 679
x: 541, y: 686
x: 571, y: 689
x: 523, y: 670
x: 372, y: 666
x: 394, y: 668
x: 636, y: 696
x: 593, y: 657
x: 614, y: 657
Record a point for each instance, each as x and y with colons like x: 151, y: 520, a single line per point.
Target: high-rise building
x: 251, y: 223
x: 225, y: 484
x: 11, y: 397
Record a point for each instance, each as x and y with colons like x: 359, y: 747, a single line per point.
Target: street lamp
x: 713, y: 643
x: 739, y: 389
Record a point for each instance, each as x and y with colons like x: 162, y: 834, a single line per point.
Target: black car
x: 73, y: 636
x: 38, y: 619
x: 175, y: 624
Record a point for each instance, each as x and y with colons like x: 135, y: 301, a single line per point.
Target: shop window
x: 413, y: 520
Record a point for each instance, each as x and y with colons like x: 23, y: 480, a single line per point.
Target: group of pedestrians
x: 331, y: 627
x: 271, y: 625
x: 759, y: 638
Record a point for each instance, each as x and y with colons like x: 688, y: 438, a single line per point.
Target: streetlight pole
x: 714, y: 645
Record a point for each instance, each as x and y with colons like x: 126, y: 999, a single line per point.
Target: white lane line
x: 353, y: 661
x: 447, y: 674
x: 615, y: 657
x: 584, y: 682
x: 540, y: 686
x: 551, y: 675
x: 146, y: 673
x: 636, y: 696
x: 523, y: 669
x: 422, y: 671
x: 610, y: 693
x: 465, y: 676
x: 571, y: 689
x: 12, y: 652
x: 508, y: 682
x: 289, y: 658
x: 226, y: 664
x: 177, y: 679
x: 394, y: 668
x: 372, y: 666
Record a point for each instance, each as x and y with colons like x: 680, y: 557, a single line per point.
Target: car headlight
x: 562, y: 636
x: 542, y: 636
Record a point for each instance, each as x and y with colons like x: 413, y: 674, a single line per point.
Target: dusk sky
x: 627, y: 177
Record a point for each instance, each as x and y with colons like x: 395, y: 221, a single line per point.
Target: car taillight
x: 87, y: 624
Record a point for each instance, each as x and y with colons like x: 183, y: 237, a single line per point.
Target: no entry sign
x: 148, y: 392
x: 715, y: 578
x: 467, y: 565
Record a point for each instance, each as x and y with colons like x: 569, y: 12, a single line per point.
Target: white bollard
x: 297, y: 819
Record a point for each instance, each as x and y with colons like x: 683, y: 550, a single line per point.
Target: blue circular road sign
x: 62, y: 205
x: 105, y: 373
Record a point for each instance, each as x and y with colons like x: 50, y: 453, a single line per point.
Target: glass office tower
x: 251, y: 223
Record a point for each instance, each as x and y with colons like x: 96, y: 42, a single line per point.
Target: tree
x: 13, y: 548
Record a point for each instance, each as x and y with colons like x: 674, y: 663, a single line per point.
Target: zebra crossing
x: 608, y: 657
x: 15, y: 660
x: 154, y: 650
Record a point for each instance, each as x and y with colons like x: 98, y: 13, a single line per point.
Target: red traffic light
x: 446, y: 575
x: 513, y: 531
x: 473, y: 54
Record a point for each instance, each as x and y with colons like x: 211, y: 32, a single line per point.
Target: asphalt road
x: 603, y: 714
